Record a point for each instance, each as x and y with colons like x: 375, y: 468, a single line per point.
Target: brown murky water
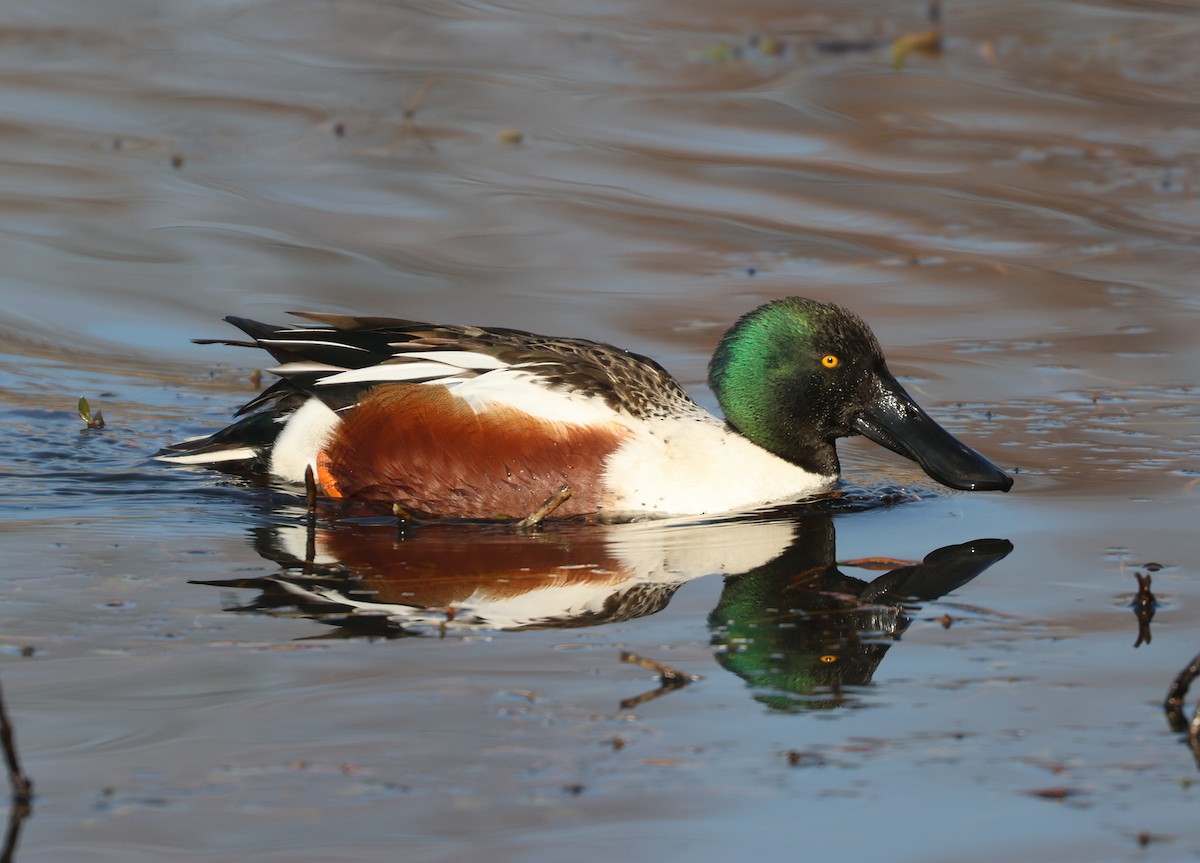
x: 1018, y: 220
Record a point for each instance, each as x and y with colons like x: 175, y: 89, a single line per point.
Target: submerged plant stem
x: 22, y: 787
x: 1174, y: 706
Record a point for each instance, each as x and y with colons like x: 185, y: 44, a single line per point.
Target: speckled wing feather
x: 338, y: 364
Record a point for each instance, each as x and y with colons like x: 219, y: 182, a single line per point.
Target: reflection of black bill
x: 893, y: 420
x: 942, y: 571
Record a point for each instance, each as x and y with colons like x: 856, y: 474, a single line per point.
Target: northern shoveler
x: 475, y: 423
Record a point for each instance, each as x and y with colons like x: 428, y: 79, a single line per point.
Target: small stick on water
x: 410, y: 111
x: 666, y: 672
x: 22, y: 788
x: 879, y: 563
x: 402, y: 513
x: 535, y: 518
x: 310, y: 520
x: 669, y: 679
x: 310, y: 489
x: 411, y: 105
x: 1144, y: 605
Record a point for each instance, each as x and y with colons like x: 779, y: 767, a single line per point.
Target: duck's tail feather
x: 246, y: 444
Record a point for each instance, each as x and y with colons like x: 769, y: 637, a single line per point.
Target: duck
x: 485, y: 423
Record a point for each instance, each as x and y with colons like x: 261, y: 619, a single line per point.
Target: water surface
x: 1017, y: 219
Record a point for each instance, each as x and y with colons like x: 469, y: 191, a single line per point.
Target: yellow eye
x: 829, y: 657
x: 830, y: 361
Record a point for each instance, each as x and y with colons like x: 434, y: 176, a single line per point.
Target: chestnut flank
x: 427, y: 450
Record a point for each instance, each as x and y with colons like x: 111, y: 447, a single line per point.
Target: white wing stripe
x: 323, y: 343
x: 302, y: 368
x: 239, y: 454
x: 462, y: 359
x: 526, y: 392
x: 391, y: 372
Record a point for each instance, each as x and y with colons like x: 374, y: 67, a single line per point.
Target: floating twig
x: 884, y: 564
x: 310, y: 489
x: 669, y: 679
x: 665, y: 672
x: 801, y: 758
x: 310, y: 519
x: 535, y: 518
x: 1144, y: 606
x: 402, y: 513
x: 847, y: 46
x: 927, y: 42
x: 411, y: 105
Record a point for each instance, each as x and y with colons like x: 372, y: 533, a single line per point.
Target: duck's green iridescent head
x: 795, y: 374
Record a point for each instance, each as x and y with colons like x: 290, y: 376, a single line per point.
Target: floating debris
x: 411, y: 105
x: 1059, y: 792
x: 847, y: 46
x: 535, y: 518
x: 92, y: 421
x: 717, y: 54
x: 665, y: 672
x: 1144, y: 606
x: 927, y: 43
x: 768, y: 46
x: 798, y: 758
x: 1145, y: 838
x: 756, y: 47
x: 883, y: 564
x: 669, y: 679
x: 510, y: 136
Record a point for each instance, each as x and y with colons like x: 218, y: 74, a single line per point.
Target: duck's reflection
x: 788, y: 621
x: 798, y: 630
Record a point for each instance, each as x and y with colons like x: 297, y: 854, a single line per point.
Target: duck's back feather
x: 626, y: 381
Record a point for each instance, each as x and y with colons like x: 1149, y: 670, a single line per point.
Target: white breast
x: 696, y: 465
